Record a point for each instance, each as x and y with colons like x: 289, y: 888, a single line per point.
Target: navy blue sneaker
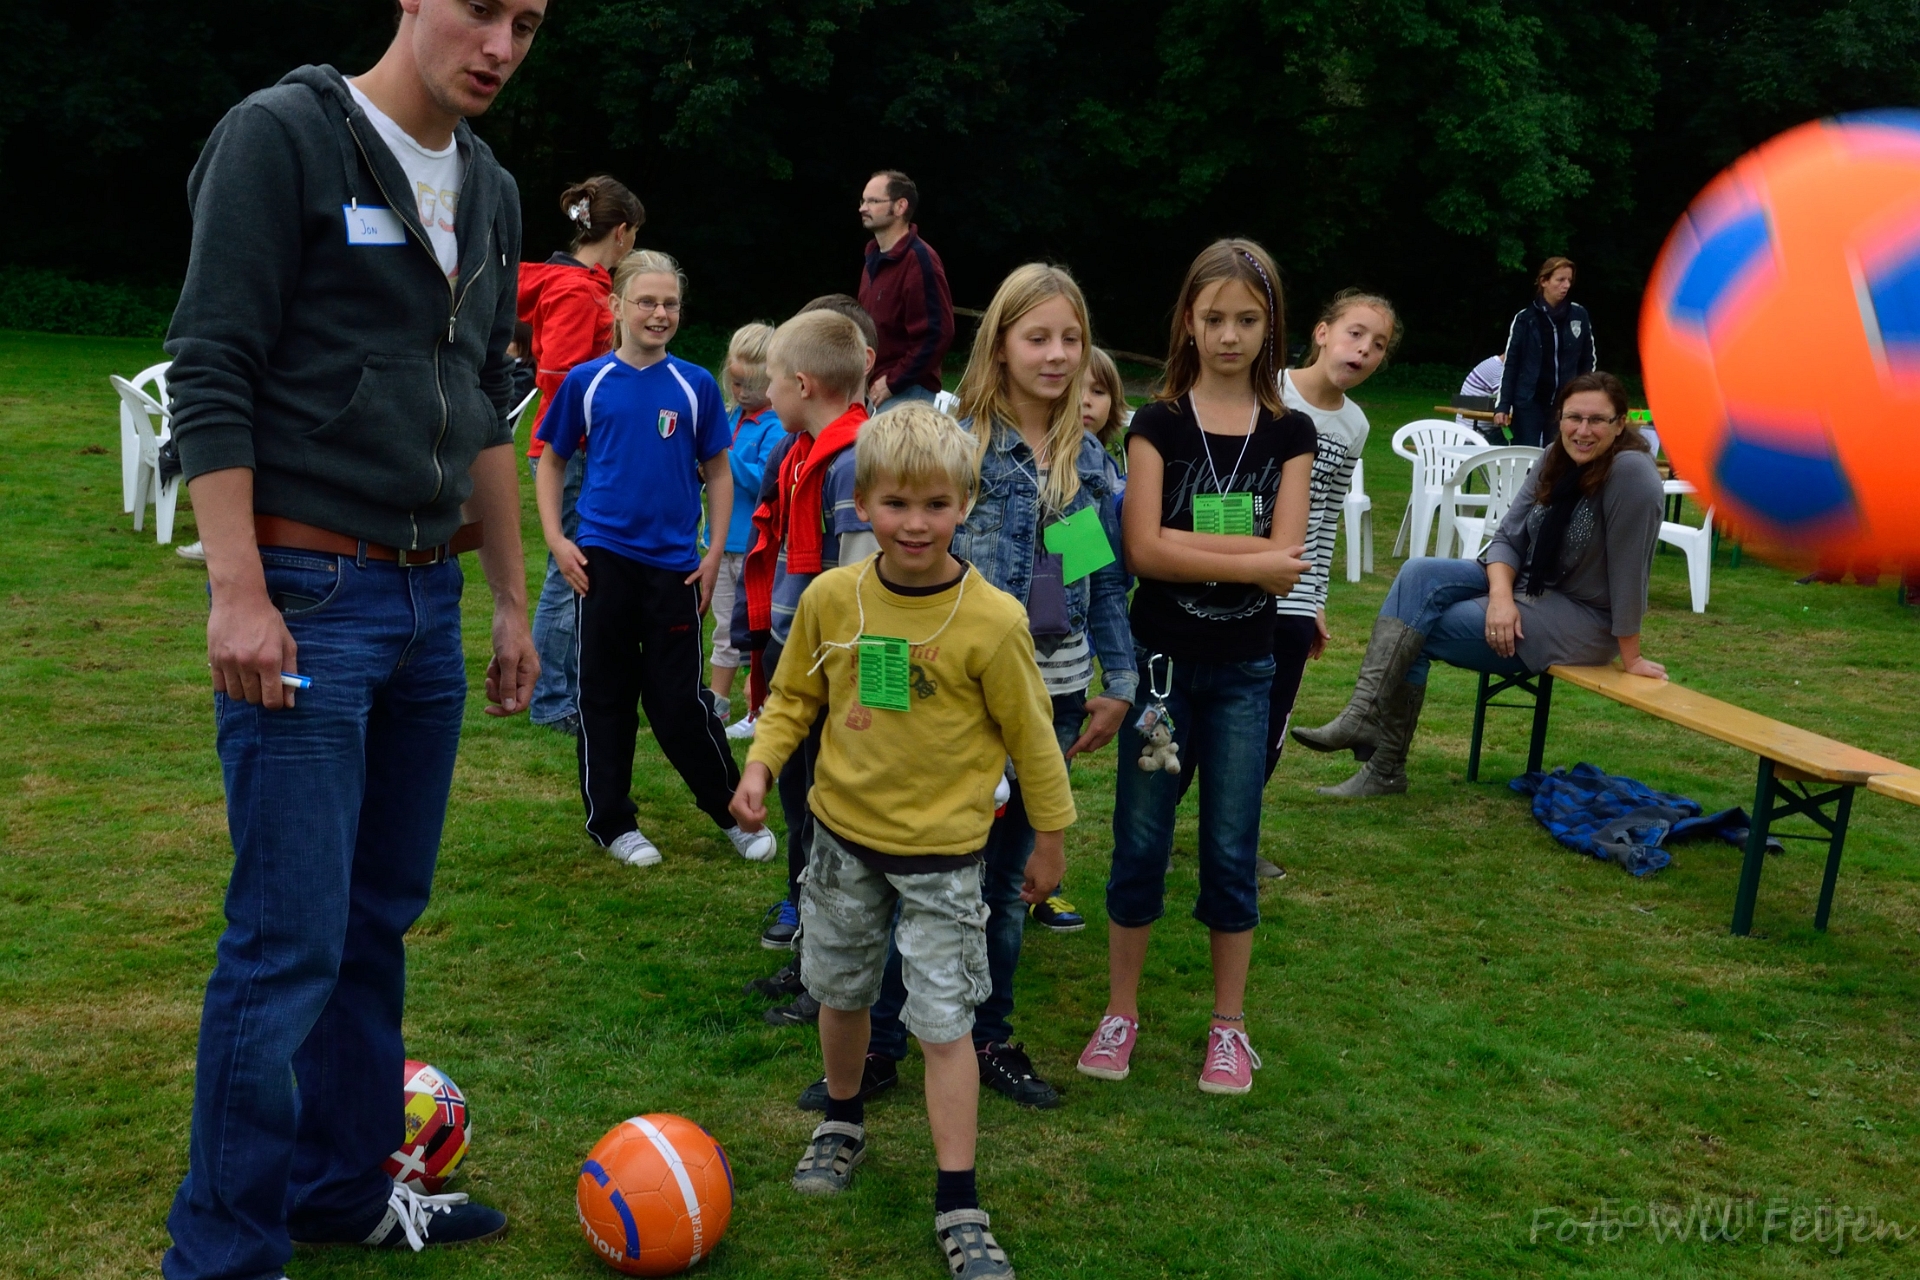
x: 778, y: 936
x: 1057, y: 914
x: 415, y: 1220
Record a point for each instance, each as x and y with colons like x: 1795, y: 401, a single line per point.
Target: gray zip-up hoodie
x: 355, y: 380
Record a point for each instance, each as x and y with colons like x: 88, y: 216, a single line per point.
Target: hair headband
x: 1273, y: 317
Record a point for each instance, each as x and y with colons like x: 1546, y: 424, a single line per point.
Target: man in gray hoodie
x: 339, y: 375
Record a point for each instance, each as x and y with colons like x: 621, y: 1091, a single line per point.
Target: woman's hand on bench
x: 1636, y: 664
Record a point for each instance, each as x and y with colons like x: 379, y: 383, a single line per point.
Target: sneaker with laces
x: 966, y: 1238
x: 1008, y: 1071
x: 1109, y: 1054
x: 417, y: 1221
x: 754, y: 846
x: 1231, y: 1062
x: 741, y: 730
x: 634, y: 849
x: 804, y: 1009
x: 722, y: 705
x: 833, y: 1153
x: 879, y: 1074
x: 1057, y: 914
x: 778, y: 936
x: 194, y: 551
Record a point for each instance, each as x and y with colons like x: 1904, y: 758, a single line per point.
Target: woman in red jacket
x: 565, y: 300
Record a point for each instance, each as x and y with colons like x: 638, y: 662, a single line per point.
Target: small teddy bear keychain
x: 1155, y: 724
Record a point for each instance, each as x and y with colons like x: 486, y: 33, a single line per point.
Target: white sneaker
x: 192, y: 551
x: 634, y: 849
x: 742, y: 728
x: 754, y: 846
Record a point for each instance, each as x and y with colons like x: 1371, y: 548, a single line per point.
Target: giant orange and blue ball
x: 1780, y: 339
x: 655, y: 1195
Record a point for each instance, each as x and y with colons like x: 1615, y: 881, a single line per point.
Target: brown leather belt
x: 278, y: 531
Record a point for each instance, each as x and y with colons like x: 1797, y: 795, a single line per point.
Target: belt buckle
x: 430, y: 556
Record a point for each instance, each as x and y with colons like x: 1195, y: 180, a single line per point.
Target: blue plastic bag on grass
x: 1623, y: 820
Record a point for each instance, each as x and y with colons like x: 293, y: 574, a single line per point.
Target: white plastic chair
x: 149, y: 424
x: 1506, y: 470
x: 154, y: 376
x: 946, y: 402
x: 1357, y: 513
x: 1420, y: 443
x: 1697, y: 543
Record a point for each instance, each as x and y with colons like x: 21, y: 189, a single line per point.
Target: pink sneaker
x: 1231, y: 1062
x: 1107, y: 1055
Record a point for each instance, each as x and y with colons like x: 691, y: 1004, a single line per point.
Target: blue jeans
x: 1002, y: 873
x: 335, y: 809
x: 1219, y: 714
x: 1446, y: 600
x: 556, y: 692
x: 906, y: 395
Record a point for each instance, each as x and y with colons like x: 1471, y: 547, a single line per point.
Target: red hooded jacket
x: 566, y: 303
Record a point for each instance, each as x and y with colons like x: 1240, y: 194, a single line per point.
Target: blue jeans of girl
x: 1446, y: 601
x: 1219, y: 714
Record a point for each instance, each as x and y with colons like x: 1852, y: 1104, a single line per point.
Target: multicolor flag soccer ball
x: 655, y: 1195
x: 436, y: 1129
x: 1780, y: 338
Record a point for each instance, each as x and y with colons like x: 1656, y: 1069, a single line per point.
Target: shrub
x: 49, y: 302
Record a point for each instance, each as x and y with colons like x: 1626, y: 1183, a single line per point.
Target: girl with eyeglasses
x: 1563, y: 580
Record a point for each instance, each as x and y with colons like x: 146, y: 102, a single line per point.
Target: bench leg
x: 1479, y: 729
x: 1542, y: 707
x: 1756, y: 851
x: 1841, y: 813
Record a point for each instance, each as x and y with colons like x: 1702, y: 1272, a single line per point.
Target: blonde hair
x: 824, y: 345
x: 1247, y: 262
x: 749, y: 346
x: 914, y: 444
x: 643, y: 262
x: 1345, y: 301
x: 1102, y: 371
x: 983, y: 387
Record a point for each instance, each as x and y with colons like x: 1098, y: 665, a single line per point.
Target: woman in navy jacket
x: 1550, y: 343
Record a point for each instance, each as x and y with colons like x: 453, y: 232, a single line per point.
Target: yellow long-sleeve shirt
x: 919, y: 781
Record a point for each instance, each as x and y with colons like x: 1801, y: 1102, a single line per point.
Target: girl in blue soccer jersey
x: 654, y: 430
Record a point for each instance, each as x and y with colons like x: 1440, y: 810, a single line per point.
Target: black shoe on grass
x: 415, y: 1220
x: 803, y: 1011
x: 1008, y: 1071
x: 778, y: 936
x: 783, y: 984
x: 879, y: 1074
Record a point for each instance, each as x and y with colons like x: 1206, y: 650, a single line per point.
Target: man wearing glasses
x: 904, y: 289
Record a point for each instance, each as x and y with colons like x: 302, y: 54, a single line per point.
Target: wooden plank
x: 1897, y: 786
x: 1809, y: 753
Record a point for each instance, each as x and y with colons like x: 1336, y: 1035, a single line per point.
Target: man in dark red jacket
x: 904, y: 289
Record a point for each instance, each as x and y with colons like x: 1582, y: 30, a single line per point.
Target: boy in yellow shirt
x: 927, y: 676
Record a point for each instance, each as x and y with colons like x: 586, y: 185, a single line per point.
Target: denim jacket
x: 997, y: 539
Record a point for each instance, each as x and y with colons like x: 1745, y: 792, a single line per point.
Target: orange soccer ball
x: 655, y: 1195
x: 1780, y: 338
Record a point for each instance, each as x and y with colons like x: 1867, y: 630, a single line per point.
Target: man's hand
x: 706, y: 575
x: 749, y: 806
x: 573, y: 564
x: 1104, y: 717
x: 515, y: 666
x: 248, y: 646
x: 1320, y: 635
x: 1046, y: 867
x: 878, y: 391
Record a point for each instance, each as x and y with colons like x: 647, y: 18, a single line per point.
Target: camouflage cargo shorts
x: 846, y: 912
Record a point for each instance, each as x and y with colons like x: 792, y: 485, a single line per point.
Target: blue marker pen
x: 296, y: 682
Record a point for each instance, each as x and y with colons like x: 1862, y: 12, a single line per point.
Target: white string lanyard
x: 1252, y: 424
x: 821, y: 654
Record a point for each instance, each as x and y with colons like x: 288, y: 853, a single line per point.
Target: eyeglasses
x: 653, y: 304
x: 1589, y: 419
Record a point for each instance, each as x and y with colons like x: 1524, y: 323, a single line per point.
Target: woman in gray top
x: 1564, y: 580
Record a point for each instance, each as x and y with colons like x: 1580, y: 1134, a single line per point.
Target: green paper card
x: 1229, y: 513
x: 883, y: 673
x: 1081, y: 543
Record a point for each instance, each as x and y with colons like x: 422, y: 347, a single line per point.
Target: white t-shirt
x: 1343, y: 434
x: 436, y: 178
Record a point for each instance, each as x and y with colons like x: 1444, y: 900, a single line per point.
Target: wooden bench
x: 1793, y: 762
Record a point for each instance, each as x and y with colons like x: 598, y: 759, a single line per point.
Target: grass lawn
x: 1471, y: 1035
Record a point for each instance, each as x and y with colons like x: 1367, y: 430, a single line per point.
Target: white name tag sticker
x: 372, y: 224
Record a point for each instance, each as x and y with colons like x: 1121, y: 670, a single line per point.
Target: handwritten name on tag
x: 371, y: 224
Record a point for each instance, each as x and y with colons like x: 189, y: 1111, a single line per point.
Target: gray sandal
x: 972, y: 1252
x: 836, y: 1150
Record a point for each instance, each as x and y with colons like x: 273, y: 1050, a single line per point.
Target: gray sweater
x: 354, y: 380
x: 1607, y: 557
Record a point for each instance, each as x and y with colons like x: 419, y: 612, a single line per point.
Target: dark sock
x: 954, y: 1189
x: 852, y: 1111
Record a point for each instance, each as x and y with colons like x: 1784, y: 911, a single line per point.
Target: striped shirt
x: 1343, y: 434
x: 1069, y: 668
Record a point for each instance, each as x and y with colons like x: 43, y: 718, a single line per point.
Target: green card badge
x: 1229, y: 513
x: 1081, y: 543
x: 883, y: 673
